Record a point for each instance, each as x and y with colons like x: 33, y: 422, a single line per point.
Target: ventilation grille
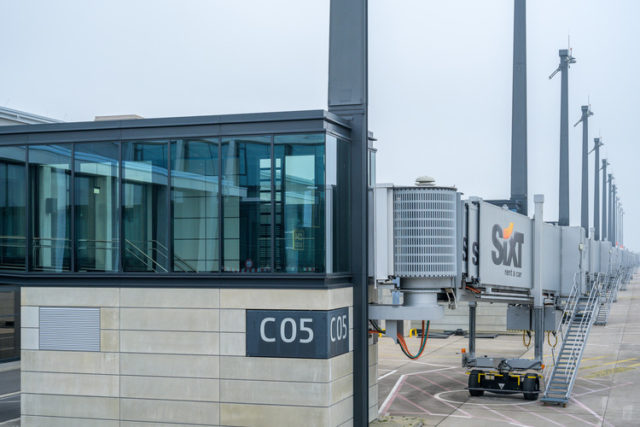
x: 67, y: 328
x: 424, y: 227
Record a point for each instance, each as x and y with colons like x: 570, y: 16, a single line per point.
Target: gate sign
x: 506, y: 242
x: 302, y: 334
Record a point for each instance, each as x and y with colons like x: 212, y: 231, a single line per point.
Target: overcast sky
x: 440, y: 77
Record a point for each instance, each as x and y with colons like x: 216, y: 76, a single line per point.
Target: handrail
x: 127, y: 241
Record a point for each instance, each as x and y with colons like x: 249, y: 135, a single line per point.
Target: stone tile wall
x: 177, y: 356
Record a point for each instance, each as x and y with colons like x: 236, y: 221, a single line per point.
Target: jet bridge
x: 433, y: 248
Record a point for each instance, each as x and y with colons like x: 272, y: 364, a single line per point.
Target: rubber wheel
x: 530, y: 387
x: 475, y: 381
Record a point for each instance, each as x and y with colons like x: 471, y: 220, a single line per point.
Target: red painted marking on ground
x: 392, y: 396
x: 433, y: 382
x: 426, y: 411
x: 591, y: 411
x: 441, y: 401
x: 542, y: 417
x: 511, y: 420
x: 451, y: 378
x: 575, y: 418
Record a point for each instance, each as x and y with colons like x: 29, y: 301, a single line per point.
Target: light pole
x: 597, y: 143
x: 584, y: 206
x: 566, y: 59
x: 605, y: 230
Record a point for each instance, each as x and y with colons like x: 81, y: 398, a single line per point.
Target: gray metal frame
x: 348, y: 98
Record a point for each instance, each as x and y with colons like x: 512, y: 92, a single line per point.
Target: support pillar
x: 538, y: 306
x: 472, y: 329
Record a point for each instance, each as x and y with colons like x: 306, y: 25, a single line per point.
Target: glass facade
x: 50, y: 193
x: 300, y: 202
x: 96, y: 206
x: 232, y: 205
x: 145, y: 206
x: 246, y: 204
x: 13, y: 208
x: 9, y: 327
x: 195, y: 175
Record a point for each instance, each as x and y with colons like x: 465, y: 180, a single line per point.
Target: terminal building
x: 10, y: 295
x: 187, y: 270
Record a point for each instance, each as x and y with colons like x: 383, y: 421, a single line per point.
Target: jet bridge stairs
x: 579, y: 315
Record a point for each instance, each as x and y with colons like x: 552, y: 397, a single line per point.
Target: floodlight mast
x: 566, y: 59
x: 584, y: 206
x: 610, y: 213
x: 519, y: 185
x: 605, y: 230
x: 597, y: 143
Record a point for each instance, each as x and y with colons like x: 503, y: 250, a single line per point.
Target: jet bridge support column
x: 472, y: 329
x: 538, y: 306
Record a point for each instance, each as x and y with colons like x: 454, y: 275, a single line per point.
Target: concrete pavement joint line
x: 591, y: 411
x: 9, y: 421
x: 624, y: 328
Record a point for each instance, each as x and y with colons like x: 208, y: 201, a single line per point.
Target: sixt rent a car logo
x: 508, y: 246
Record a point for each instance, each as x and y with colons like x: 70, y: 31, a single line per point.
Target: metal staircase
x: 578, y: 317
x: 608, y: 295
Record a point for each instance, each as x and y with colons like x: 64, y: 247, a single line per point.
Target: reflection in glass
x: 145, y: 217
x: 50, y: 179
x: 338, y: 192
x: 194, y: 185
x: 9, y: 327
x: 246, y: 200
x: 299, y: 203
x: 96, y: 221
x: 13, y: 208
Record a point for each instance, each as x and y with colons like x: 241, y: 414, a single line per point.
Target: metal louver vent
x: 424, y: 227
x: 69, y: 328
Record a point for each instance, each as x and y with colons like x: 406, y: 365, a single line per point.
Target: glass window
x: 96, y: 220
x: 194, y: 185
x: 50, y: 180
x: 338, y: 193
x: 246, y: 201
x: 9, y: 329
x: 145, y: 205
x: 299, y: 203
x: 13, y: 208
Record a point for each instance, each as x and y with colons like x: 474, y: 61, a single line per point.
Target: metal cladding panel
x: 384, y: 231
x: 470, y: 244
x: 605, y: 249
x: 69, y: 328
x: 572, y: 241
x: 425, y: 229
x: 550, y: 264
x: 506, y: 247
x: 594, y: 256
